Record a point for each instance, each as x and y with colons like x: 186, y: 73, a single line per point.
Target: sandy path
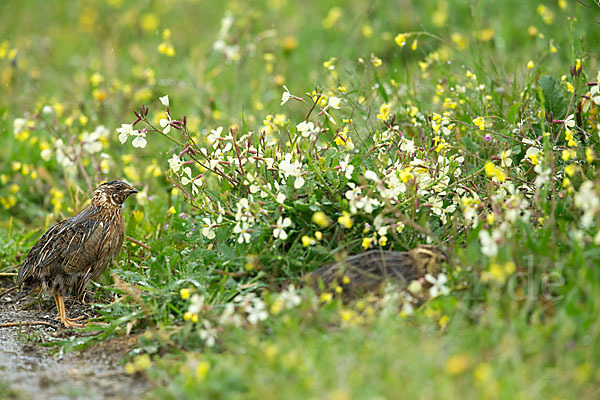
x: 28, y: 370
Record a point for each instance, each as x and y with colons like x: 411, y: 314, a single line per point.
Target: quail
x: 366, y: 272
x: 77, y: 249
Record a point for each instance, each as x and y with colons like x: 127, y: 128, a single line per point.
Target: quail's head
x: 113, y: 192
x: 429, y: 259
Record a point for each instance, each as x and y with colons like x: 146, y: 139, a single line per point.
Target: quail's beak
x: 132, y: 191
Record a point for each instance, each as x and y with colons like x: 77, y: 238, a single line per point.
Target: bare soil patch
x: 31, y: 371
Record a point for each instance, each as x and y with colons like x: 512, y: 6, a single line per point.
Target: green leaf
x: 381, y: 89
x: 553, y: 96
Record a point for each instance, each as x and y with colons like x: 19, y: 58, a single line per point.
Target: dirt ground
x: 31, y: 371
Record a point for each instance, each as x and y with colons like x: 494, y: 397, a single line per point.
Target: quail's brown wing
x: 366, y: 271
x: 59, y: 244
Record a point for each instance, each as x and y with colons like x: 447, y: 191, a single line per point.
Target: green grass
x: 521, y: 317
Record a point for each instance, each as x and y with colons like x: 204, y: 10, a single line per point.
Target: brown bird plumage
x: 77, y: 249
x: 366, y: 272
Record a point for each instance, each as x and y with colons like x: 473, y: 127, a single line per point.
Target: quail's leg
x: 62, y: 313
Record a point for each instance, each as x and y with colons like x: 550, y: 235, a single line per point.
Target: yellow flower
x: 366, y: 242
x: 459, y: 40
x: 383, y: 241
x: 185, y: 293
x: 96, y: 79
x: 530, y: 64
x: 400, y: 39
x: 567, y: 154
x: 485, y: 35
x: 532, y: 31
x: 166, y: 49
x: 202, y: 369
x: 149, y: 22
x: 332, y: 17
x: 129, y: 368
x: 172, y: 210
x: 142, y: 362
x: 482, y: 372
x: 277, y: 306
x: 384, y: 111
x: 589, y: 155
x: 570, y: 169
x: 367, y: 31
x: 494, y: 172
x: 570, y: 87
x: 444, y: 321
x: 326, y: 297
x: 307, y: 241
x: 457, y: 364
x: 345, y: 220
x: 346, y: 315
x: 376, y: 61
x: 479, y: 122
x: 289, y: 43
x: 321, y: 219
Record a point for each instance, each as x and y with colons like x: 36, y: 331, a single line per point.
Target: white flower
x: 196, y: 182
x: 354, y: 192
x: 347, y: 168
x: 438, y: 285
x: 91, y: 142
x: 587, y: 201
x: 257, y: 311
x: 47, y: 109
x: 543, y: 175
x: 46, y: 154
x: 489, y: 243
x: 570, y: 121
x: 243, y: 229
x: 215, y: 134
x: 165, y: 123
x: 334, y: 102
x: 19, y: 125
x: 208, y: 228
x: 175, y: 163
x: 305, y: 128
x: 208, y: 333
x: 279, y: 231
x: 285, y: 96
x: 164, y: 100
x: 299, y: 182
x: 372, y: 176
x: 505, y: 157
x: 140, y: 140
x: 281, y: 198
x: 229, y: 316
x: 196, y: 304
x: 124, y: 132
x: 407, y: 308
x: 289, y: 168
x: 415, y: 287
x: 61, y: 154
x: 290, y: 297
x: 407, y: 145
x: 595, y: 90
